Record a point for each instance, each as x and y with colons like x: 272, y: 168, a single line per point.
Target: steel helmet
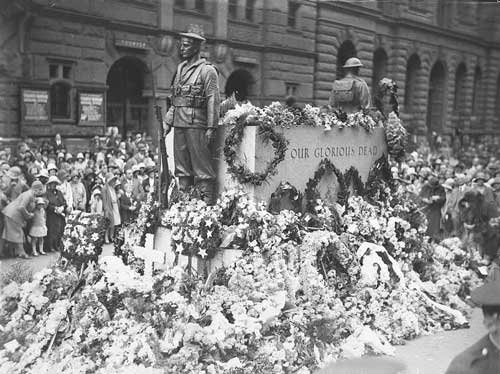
x: 352, y: 62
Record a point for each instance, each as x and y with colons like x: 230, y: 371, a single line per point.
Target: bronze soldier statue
x: 194, y: 115
x: 350, y: 93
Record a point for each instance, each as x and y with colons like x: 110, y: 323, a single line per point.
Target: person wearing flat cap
x: 194, y: 114
x: 484, y: 356
x: 350, y: 93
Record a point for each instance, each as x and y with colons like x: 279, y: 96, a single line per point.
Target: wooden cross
x: 149, y: 255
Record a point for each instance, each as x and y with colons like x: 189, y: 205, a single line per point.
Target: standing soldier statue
x: 350, y: 93
x: 194, y: 115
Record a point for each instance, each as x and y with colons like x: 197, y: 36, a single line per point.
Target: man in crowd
x: 194, y: 115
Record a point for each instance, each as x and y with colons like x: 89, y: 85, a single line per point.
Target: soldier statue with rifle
x: 194, y: 115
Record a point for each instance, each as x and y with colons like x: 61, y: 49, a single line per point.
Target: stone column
x: 489, y: 88
x: 220, y: 19
x: 166, y: 15
x: 468, y: 93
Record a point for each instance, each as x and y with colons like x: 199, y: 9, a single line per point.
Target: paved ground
x: 425, y: 355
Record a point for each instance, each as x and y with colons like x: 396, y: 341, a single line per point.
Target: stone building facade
x: 79, y: 66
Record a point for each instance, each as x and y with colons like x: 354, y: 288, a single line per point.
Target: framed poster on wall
x: 35, y: 104
x: 91, y: 108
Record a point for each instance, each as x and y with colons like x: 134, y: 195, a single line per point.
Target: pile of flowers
x: 287, y: 117
x: 295, y: 300
x: 83, y: 237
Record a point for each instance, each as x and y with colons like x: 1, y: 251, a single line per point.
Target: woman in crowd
x: 16, y: 216
x: 111, y: 206
x: 56, y: 215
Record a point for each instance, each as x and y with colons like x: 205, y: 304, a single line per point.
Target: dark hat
x: 488, y: 294
x: 481, y: 176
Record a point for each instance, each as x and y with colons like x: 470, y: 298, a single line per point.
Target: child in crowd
x: 96, y: 202
x: 38, y: 230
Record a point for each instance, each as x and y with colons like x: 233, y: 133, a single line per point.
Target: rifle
x: 164, y: 173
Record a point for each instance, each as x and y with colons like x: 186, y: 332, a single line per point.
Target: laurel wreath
x: 377, y: 174
x: 233, y: 142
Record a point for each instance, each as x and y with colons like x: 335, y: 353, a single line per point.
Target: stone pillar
x: 489, y: 88
x: 220, y: 19
x: 421, y: 98
x: 166, y: 15
x: 450, y: 98
x: 468, y: 93
x: 396, y: 69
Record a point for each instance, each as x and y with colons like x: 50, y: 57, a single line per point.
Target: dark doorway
x: 379, y: 68
x: 346, y: 51
x: 127, y: 109
x: 412, y: 74
x: 436, y: 98
x: 240, y: 83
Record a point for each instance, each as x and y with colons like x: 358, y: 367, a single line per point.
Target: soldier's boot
x: 185, y: 183
x: 207, y: 191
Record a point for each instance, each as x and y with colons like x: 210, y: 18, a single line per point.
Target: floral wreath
x: 311, y: 193
x: 233, y: 141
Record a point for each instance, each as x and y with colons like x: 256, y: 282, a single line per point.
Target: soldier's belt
x: 189, y: 101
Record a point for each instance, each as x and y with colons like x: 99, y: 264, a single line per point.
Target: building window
x: 477, y: 91
x: 60, y: 70
x: 250, y: 10
x: 418, y: 5
x: 232, y: 9
x: 291, y: 89
x: 199, y: 5
x: 293, y: 11
x: 60, y: 101
x: 459, y: 99
x: 180, y: 3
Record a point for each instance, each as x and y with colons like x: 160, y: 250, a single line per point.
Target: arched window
x: 476, y: 91
x: 346, y: 50
x: 459, y: 98
x: 497, y: 100
x: 379, y: 68
x: 60, y: 100
x: 240, y: 83
x: 250, y: 10
x: 412, y: 70
x: 293, y: 13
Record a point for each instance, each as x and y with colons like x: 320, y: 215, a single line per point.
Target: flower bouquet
x: 83, y: 238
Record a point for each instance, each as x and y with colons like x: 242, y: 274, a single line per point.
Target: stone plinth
x: 308, y: 146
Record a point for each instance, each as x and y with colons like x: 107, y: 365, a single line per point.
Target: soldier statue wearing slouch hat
x: 194, y: 114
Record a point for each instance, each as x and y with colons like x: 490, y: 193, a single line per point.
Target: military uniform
x: 195, y: 108
x: 482, y: 358
x: 351, y: 94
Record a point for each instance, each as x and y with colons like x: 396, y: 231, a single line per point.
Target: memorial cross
x: 149, y: 255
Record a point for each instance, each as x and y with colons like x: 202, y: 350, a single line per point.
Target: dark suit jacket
x: 482, y: 358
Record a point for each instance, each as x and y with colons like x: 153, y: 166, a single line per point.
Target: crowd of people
x: 458, y: 190
x: 41, y: 184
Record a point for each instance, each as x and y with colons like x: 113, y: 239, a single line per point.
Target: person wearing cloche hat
x: 480, y: 185
x: 81, y: 163
x: 78, y: 191
x: 57, y: 208
x: 484, y: 356
x: 96, y: 206
x: 16, y: 216
x: 110, y: 206
x: 433, y: 195
x: 38, y: 229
